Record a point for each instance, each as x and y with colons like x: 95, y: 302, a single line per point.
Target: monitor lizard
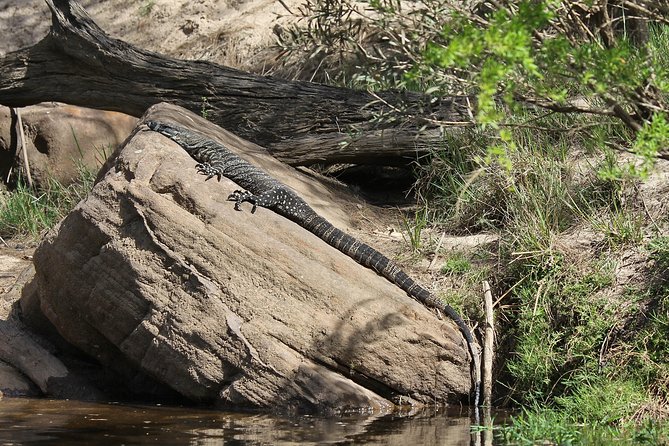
x: 260, y: 189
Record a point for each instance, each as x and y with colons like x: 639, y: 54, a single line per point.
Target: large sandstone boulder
x: 61, y: 138
x: 156, y: 272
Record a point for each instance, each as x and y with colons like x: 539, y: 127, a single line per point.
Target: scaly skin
x: 215, y: 160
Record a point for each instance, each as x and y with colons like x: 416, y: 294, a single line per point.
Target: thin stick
x: 24, y: 148
x: 286, y: 7
x: 488, y: 345
x: 436, y: 251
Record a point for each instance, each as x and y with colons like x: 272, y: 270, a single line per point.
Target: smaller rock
x: 15, y: 384
x: 60, y: 138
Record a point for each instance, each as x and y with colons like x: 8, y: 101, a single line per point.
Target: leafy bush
x: 599, y: 57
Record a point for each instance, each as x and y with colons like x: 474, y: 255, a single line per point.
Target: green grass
x: 576, y: 356
x: 541, y: 426
x: 621, y: 228
x: 456, y: 264
x: 658, y: 248
x: 457, y: 188
x: 146, y: 7
x: 565, y: 360
x: 645, y: 351
x: 413, y: 229
x: 28, y: 212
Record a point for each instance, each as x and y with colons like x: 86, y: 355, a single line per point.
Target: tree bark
x: 300, y: 122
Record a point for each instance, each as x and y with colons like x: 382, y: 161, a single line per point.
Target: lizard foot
x: 209, y: 170
x: 240, y: 196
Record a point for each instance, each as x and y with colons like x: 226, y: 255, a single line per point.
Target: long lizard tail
x: 373, y: 259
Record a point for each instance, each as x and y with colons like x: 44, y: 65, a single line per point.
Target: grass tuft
x: 456, y: 264
x: 28, y: 212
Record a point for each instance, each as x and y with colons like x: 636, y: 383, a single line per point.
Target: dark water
x: 47, y: 422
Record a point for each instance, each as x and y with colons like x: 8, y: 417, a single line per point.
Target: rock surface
x: 23, y: 353
x: 61, y: 138
x: 156, y: 272
x: 13, y: 383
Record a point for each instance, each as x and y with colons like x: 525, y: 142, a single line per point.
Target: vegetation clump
x: 27, y: 212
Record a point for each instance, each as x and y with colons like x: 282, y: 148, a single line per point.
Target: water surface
x: 47, y: 422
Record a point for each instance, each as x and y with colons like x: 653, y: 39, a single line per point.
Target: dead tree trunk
x: 301, y: 123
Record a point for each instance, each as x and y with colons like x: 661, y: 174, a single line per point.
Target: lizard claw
x: 234, y: 196
x: 240, y: 196
x: 209, y: 171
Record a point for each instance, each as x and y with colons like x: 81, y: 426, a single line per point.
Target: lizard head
x: 186, y: 138
x: 165, y: 129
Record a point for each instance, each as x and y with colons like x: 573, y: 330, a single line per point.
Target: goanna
x: 215, y: 160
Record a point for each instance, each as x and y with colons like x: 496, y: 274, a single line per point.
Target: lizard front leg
x: 241, y: 196
x: 274, y: 198
x: 278, y: 199
x: 268, y: 199
x: 209, y: 170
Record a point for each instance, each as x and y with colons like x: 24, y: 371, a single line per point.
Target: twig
x: 421, y: 119
x: 620, y: 148
x: 488, y: 345
x: 565, y: 108
x: 621, y: 114
x: 536, y: 298
x: 286, y: 7
x: 645, y: 208
x: 22, y: 142
x: 602, y: 349
x: 436, y: 251
x: 510, y: 289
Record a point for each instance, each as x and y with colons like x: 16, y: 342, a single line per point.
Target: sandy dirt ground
x: 235, y: 33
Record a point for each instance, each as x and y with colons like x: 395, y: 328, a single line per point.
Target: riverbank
x: 578, y: 255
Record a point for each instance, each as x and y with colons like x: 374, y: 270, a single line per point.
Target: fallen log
x: 301, y: 123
